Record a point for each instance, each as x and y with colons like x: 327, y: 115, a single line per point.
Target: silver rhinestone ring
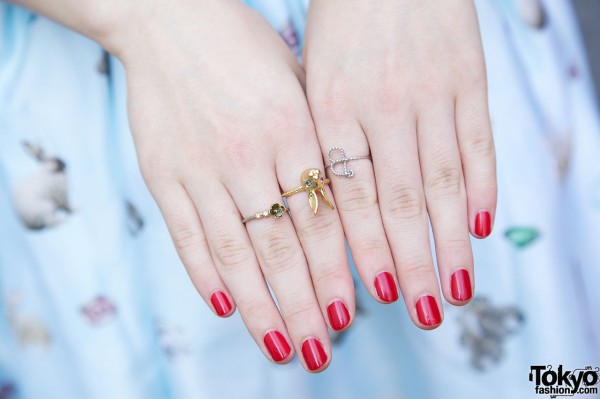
x: 342, y: 159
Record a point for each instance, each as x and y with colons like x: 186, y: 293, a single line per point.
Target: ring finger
x: 236, y: 262
x: 284, y: 265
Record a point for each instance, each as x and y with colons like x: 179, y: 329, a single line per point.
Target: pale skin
x: 219, y: 111
x: 404, y: 81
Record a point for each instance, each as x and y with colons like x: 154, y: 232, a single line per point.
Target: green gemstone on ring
x: 277, y: 210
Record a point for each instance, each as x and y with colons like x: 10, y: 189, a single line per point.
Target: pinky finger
x: 187, y: 234
x: 478, y: 161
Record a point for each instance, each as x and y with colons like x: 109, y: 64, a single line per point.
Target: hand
x: 405, y: 81
x: 221, y: 127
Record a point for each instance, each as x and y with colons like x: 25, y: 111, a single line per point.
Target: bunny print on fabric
x: 41, y: 199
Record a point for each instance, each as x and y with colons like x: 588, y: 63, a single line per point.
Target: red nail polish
x: 460, y: 285
x: 221, y: 303
x: 339, y: 317
x: 427, y: 311
x: 483, y: 224
x: 313, y: 353
x: 386, y: 287
x: 277, y: 345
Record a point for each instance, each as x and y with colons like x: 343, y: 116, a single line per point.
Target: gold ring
x: 276, y: 211
x: 312, y: 181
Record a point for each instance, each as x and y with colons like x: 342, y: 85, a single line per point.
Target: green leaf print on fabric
x: 522, y: 237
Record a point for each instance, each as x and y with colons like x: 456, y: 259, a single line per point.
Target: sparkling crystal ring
x: 343, y: 160
x: 276, y: 210
x: 313, y: 182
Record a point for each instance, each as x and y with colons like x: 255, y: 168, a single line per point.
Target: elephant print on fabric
x: 485, y: 330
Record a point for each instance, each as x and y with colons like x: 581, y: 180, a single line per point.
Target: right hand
x: 221, y: 127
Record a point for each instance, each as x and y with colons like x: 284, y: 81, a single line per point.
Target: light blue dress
x: 95, y: 303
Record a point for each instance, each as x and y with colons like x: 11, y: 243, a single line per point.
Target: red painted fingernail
x: 313, y: 353
x: 339, y: 317
x: 483, y: 224
x: 386, y: 287
x: 460, y: 285
x: 277, y: 345
x: 221, y: 303
x: 428, y: 312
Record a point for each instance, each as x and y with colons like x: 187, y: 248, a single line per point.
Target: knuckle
x: 230, y: 253
x: 427, y: 89
x: 253, y: 309
x: 318, y: 228
x: 456, y: 241
x: 330, y: 276
x: 185, y: 238
x: 389, y: 99
x: 404, y: 202
x: 373, y: 247
x: 289, y: 130
x: 299, y: 312
x: 475, y: 73
x: 358, y: 197
x: 331, y: 99
x: 444, y: 182
x: 481, y: 145
x: 237, y: 150
x: 278, y: 253
x: 417, y: 268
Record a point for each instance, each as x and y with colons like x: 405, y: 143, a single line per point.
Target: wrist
x: 115, y: 25
x: 101, y: 20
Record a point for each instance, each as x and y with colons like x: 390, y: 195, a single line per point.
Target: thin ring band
x: 276, y: 210
x: 344, y: 161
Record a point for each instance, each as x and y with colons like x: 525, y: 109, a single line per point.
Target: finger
x: 320, y: 234
x: 190, y: 242
x: 446, y: 200
x: 356, y: 197
x: 236, y: 262
x: 478, y: 155
x: 402, y: 203
x: 283, y: 263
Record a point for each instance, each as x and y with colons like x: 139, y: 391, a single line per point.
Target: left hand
x: 404, y: 80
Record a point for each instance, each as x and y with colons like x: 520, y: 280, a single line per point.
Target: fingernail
x: 339, y: 317
x: 220, y: 303
x: 483, y: 224
x: 386, y: 287
x: 277, y: 345
x: 313, y: 353
x: 460, y: 285
x: 427, y: 311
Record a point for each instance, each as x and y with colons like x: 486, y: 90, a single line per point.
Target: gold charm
x: 313, y: 182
